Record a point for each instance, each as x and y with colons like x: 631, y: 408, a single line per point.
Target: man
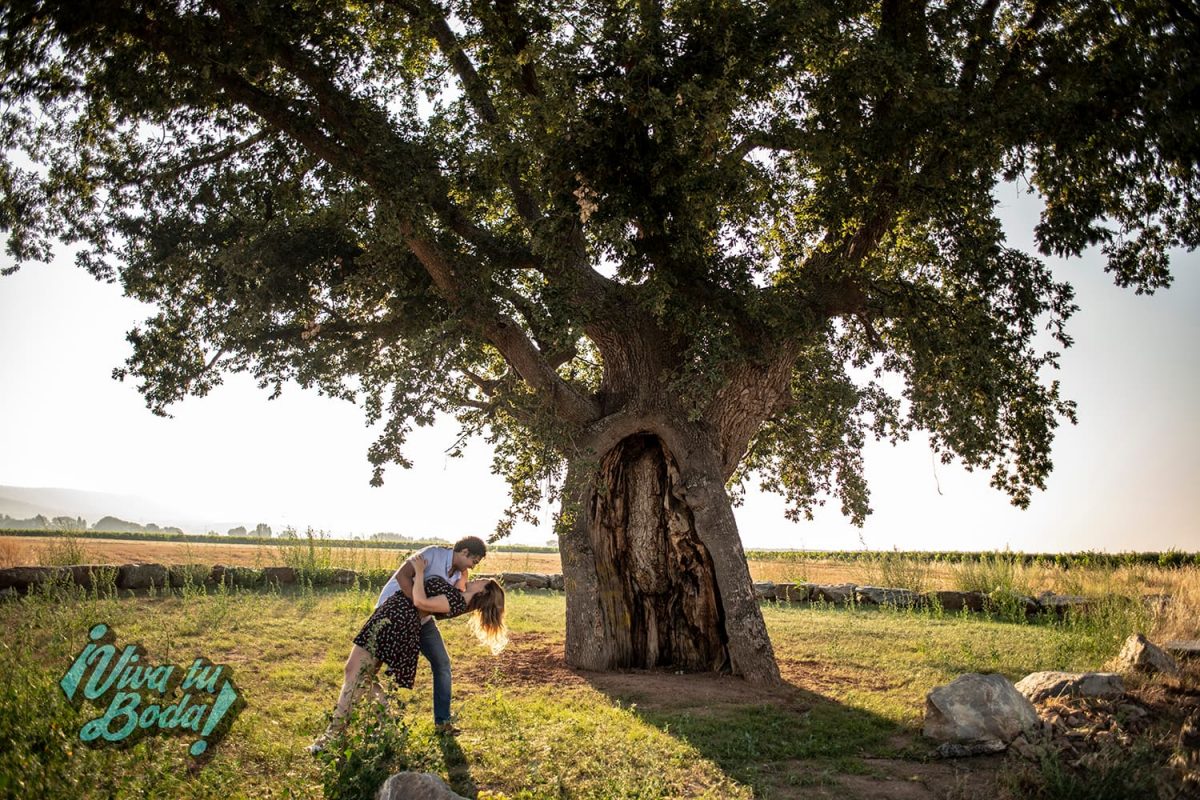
x: 453, y: 564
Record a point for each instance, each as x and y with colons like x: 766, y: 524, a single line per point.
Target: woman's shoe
x: 447, y: 729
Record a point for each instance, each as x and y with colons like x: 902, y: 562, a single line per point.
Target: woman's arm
x: 432, y: 605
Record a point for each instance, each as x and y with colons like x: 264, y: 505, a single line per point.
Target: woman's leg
x: 360, y: 673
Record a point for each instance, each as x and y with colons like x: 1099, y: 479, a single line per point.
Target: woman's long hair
x: 488, y: 623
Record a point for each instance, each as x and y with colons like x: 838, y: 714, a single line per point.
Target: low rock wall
x: 20, y: 580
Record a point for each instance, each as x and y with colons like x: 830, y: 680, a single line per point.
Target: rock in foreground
x: 416, y: 786
x: 982, y: 713
x: 1141, y: 655
x: 1041, y: 686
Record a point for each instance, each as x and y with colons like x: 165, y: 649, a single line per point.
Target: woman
x: 392, y: 636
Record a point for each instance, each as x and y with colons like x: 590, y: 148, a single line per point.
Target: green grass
x: 856, y: 685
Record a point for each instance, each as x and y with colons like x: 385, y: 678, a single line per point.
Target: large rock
x: 141, y: 576
x: 1060, y: 604
x: 959, y: 601
x: 556, y: 581
x: 836, y: 593
x: 764, y: 590
x: 528, y: 580
x: 416, y: 786
x: 233, y: 575
x: 88, y: 576
x: 1141, y: 655
x: 793, y: 592
x: 22, y: 579
x: 280, y: 575
x: 980, y: 712
x: 180, y: 575
x: 1183, y: 648
x: 876, y: 596
x: 1040, y: 686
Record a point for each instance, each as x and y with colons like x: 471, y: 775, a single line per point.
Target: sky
x: 1125, y: 478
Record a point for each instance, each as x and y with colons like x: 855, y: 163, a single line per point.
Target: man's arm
x: 404, y: 577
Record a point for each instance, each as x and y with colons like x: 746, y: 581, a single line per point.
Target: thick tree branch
x: 504, y: 333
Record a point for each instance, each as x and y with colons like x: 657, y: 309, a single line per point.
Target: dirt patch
x: 661, y: 690
x: 827, y: 677
x: 530, y: 660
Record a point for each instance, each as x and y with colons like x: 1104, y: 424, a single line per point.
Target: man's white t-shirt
x: 438, y: 561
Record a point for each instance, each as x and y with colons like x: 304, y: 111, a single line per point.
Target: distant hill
x: 23, y: 502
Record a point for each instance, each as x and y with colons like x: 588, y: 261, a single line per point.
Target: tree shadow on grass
x: 786, y: 740
x: 741, y: 726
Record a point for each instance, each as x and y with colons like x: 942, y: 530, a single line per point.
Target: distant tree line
x: 109, y: 524
x: 1082, y: 560
x: 289, y: 535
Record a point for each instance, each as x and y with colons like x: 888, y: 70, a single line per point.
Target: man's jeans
x: 434, y: 650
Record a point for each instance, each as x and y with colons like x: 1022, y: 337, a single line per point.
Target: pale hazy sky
x: 1125, y: 478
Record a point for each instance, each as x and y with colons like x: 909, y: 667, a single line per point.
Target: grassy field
x: 845, y: 723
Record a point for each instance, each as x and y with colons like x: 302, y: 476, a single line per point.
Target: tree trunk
x: 638, y: 549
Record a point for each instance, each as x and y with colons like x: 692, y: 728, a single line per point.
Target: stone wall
x: 19, y: 580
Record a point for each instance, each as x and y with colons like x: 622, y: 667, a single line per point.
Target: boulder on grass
x: 838, y: 594
x: 876, y: 596
x: 527, y: 580
x: 1060, y: 604
x: 416, y: 786
x: 180, y: 575
x: 765, y: 590
x: 1040, y: 686
x: 280, y: 575
x: 982, y: 713
x: 233, y: 576
x: 87, y: 576
x: 141, y: 576
x: 1183, y: 648
x: 1139, y: 654
x: 22, y: 579
x: 793, y: 593
x: 959, y: 601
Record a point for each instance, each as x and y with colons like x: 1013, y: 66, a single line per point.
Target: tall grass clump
x: 895, y: 570
x: 999, y: 573
x: 64, y: 550
x: 1179, y: 616
x: 311, y: 556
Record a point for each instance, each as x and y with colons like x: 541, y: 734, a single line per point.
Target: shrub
x: 370, y: 750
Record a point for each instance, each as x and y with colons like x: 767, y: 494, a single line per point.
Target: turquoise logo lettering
x: 140, y: 699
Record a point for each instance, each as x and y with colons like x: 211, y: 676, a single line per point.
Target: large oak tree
x: 646, y: 247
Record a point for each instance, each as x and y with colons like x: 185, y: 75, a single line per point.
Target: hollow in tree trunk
x: 643, y: 589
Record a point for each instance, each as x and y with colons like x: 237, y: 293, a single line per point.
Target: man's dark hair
x: 472, y: 544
